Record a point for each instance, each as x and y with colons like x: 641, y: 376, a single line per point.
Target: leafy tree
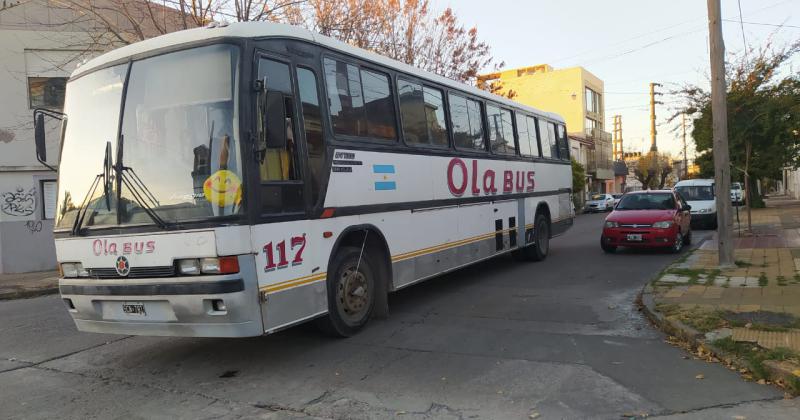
x: 763, y: 118
x: 578, y: 182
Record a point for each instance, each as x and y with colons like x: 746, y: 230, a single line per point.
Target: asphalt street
x: 500, y: 340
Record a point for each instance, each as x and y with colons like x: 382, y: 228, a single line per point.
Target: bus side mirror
x: 275, y: 121
x: 39, y: 137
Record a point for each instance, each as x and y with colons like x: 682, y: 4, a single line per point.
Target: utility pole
x: 653, y: 102
x: 618, y: 149
x: 685, y: 158
x: 719, y: 109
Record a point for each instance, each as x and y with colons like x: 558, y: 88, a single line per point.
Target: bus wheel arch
x: 540, y: 247
x: 543, y: 209
x: 377, y: 251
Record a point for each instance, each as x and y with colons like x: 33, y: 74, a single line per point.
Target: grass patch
x: 692, y: 273
x: 755, y: 356
x: 740, y: 263
x: 762, y: 280
x: 712, y: 275
x: 781, y: 281
x: 699, y: 319
x: 796, y: 278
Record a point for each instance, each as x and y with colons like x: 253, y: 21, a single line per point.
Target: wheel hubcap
x: 678, y: 242
x: 352, y: 293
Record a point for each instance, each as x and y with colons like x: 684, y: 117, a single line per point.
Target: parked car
x: 616, y: 198
x: 737, y: 193
x: 700, y: 194
x: 648, y: 219
x: 600, y: 202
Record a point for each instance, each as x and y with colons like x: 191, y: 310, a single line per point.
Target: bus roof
x: 277, y: 30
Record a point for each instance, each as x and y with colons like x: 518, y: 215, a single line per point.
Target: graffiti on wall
x: 34, y: 226
x: 6, y: 136
x: 19, y: 202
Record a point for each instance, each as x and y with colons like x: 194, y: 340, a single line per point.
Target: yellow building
x: 575, y: 94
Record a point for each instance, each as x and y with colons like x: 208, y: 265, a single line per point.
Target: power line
x: 671, y: 37
x: 762, y: 24
x: 744, y: 41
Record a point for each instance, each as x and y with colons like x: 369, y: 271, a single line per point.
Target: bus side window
x: 501, y: 131
x: 563, y: 142
x: 279, y: 169
x: 360, y: 101
x: 465, y: 117
x: 312, y: 127
x: 279, y: 164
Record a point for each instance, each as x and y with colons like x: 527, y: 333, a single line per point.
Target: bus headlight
x: 219, y: 265
x: 189, y: 267
x: 73, y: 270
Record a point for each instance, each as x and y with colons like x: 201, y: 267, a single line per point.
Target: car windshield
x: 696, y: 192
x: 598, y: 197
x: 647, y: 201
x: 179, y: 141
x: 736, y: 187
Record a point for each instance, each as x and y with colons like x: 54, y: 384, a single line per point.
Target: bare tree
x: 405, y: 30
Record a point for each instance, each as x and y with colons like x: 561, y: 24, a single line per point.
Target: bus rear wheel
x: 351, y: 292
x: 538, y: 250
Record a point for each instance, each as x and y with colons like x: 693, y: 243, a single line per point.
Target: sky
x: 627, y: 44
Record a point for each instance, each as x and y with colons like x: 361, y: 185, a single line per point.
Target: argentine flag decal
x: 385, y: 172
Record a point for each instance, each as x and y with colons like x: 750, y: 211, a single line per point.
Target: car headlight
x: 664, y: 224
x: 610, y: 224
x: 73, y: 270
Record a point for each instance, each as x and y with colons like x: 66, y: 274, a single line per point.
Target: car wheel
x: 678, y: 245
x: 687, y: 239
x: 608, y: 249
x: 351, y: 292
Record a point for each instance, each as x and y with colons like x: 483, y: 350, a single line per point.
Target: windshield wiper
x: 141, y: 194
x: 105, y: 176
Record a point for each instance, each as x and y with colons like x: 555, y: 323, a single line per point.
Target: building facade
x: 41, y: 43
x: 577, y: 95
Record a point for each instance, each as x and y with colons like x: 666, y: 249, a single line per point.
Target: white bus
x: 236, y: 180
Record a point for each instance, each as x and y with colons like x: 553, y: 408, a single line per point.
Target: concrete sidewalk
x: 24, y: 285
x: 757, y: 302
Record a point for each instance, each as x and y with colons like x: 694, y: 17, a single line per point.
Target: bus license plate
x: 635, y: 237
x: 134, y: 308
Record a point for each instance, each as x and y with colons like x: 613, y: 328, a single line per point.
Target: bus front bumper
x: 189, y: 306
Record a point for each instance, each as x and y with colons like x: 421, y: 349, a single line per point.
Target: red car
x: 648, y: 219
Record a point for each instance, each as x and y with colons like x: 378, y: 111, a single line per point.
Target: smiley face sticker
x: 223, y: 188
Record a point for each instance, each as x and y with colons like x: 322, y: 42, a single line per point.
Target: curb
x: 778, y: 371
x: 27, y: 294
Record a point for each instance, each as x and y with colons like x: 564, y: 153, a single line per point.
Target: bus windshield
x: 176, y: 153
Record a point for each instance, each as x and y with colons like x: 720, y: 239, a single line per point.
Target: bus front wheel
x: 538, y: 250
x: 351, y: 292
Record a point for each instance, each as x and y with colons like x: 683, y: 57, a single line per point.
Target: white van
x: 700, y: 194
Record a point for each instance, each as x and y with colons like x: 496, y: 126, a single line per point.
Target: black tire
x: 608, y: 249
x: 687, y: 239
x: 538, y: 250
x: 349, y: 312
